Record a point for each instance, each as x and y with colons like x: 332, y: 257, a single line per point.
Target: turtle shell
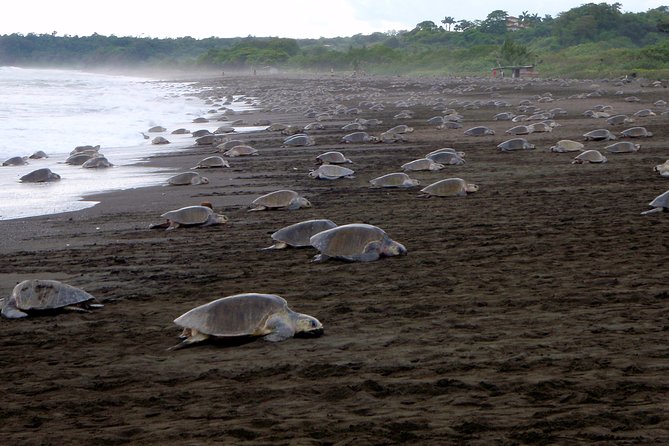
x: 332, y: 158
x: 331, y: 172
x: 636, y: 132
x: 421, y: 164
x: 445, y: 158
x: 449, y: 187
x: 623, y: 147
x: 397, y: 179
x: 276, y: 199
x: 15, y: 161
x: 98, y: 162
x: 479, y: 131
x: 187, y: 178
x: 238, y: 315
x: 347, y: 241
x: 515, y: 144
x: 211, y: 162
x: 598, y: 135
x: 189, y: 215
x: 590, y: 156
x: 37, y: 294
x: 299, y: 140
x: 40, y: 176
x: 567, y: 145
x: 299, y: 234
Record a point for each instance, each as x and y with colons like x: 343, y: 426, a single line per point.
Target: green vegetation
x: 593, y: 40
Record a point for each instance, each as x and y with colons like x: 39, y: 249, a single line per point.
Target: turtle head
x: 472, y: 187
x: 308, y: 325
x: 393, y: 248
x: 300, y: 202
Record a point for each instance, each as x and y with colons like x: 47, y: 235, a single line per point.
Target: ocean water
x: 57, y: 110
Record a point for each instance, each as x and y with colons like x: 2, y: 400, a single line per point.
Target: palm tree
x: 448, y: 21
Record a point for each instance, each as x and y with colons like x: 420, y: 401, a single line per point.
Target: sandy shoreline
x: 534, y: 311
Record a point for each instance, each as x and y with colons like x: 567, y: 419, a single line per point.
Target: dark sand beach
x: 534, y: 311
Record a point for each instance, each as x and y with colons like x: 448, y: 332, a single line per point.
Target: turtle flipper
x: 277, y: 245
x: 652, y: 211
x: 370, y: 253
x: 195, y: 336
x: 280, y: 329
x: 10, y: 311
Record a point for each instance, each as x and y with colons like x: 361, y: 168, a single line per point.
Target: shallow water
x: 57, y: 110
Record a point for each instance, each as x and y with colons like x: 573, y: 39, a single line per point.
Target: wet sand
x: 534, y: 311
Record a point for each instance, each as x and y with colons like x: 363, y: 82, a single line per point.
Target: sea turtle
x: 504, y: 116
x: 520, y: 130
x: 242, y: 150
x: 158, y: 140
x: 663, y: 169
x: 599, y: 135
x: 299, y: 140
x: 209, y: 140
x: 38, y: 155
x: 644, y: 113
x: 358, y: 137
x: 479, y: 131
x: 353, y: 126
x: 619, y: 120
x: 180, y: 131
x: 186, y: 178
x: 589, y: 156
x: 540, y: 127
x: 436, y: 120
x: 97, y: 162
x: 450, y: 125
x: 331, y: 172
x: 623, y: 147
x: 314, y: 126
x: 397, y: 179
x: 34, y: 295
x: 459, y: 153
x: 228, y: 128
x: 402, y: 128
x: 157, y: 129
x: 248, y: 314
x: 515, y: 144
x: 211, y: 162
x: 445, y: 158
x: 357, y: 242
x: 421, y: 164
x: 200, y: 133
x: 567, y: 145
x: 449, y: 187
x: 85, y: 148
x: 190, y: 216
x: 659, y: 204
x: 227, y: 145
x: 636, y: 132
x: 332, y: 158
x: 43, y: 175
x: 297, y: 235
x: 80, y: 158
x: 280, y: 199
x: 15, y: 161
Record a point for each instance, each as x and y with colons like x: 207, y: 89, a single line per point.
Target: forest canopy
x: 592, y: 40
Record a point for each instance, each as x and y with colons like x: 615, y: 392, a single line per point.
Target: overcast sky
x: 261, y: 18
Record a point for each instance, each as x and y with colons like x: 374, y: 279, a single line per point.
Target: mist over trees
x: 595, y: 39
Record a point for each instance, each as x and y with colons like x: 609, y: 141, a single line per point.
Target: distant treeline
x: 593, y: 40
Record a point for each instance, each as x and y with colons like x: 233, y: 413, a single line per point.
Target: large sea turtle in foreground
x: 35, y: 295
x: 248, y: 314
x: 449, y: 187
x: 280, y: 199
x: 659, y: 204
x: 357, y: 242
x: 190, y: 216
x: 298, y: 235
